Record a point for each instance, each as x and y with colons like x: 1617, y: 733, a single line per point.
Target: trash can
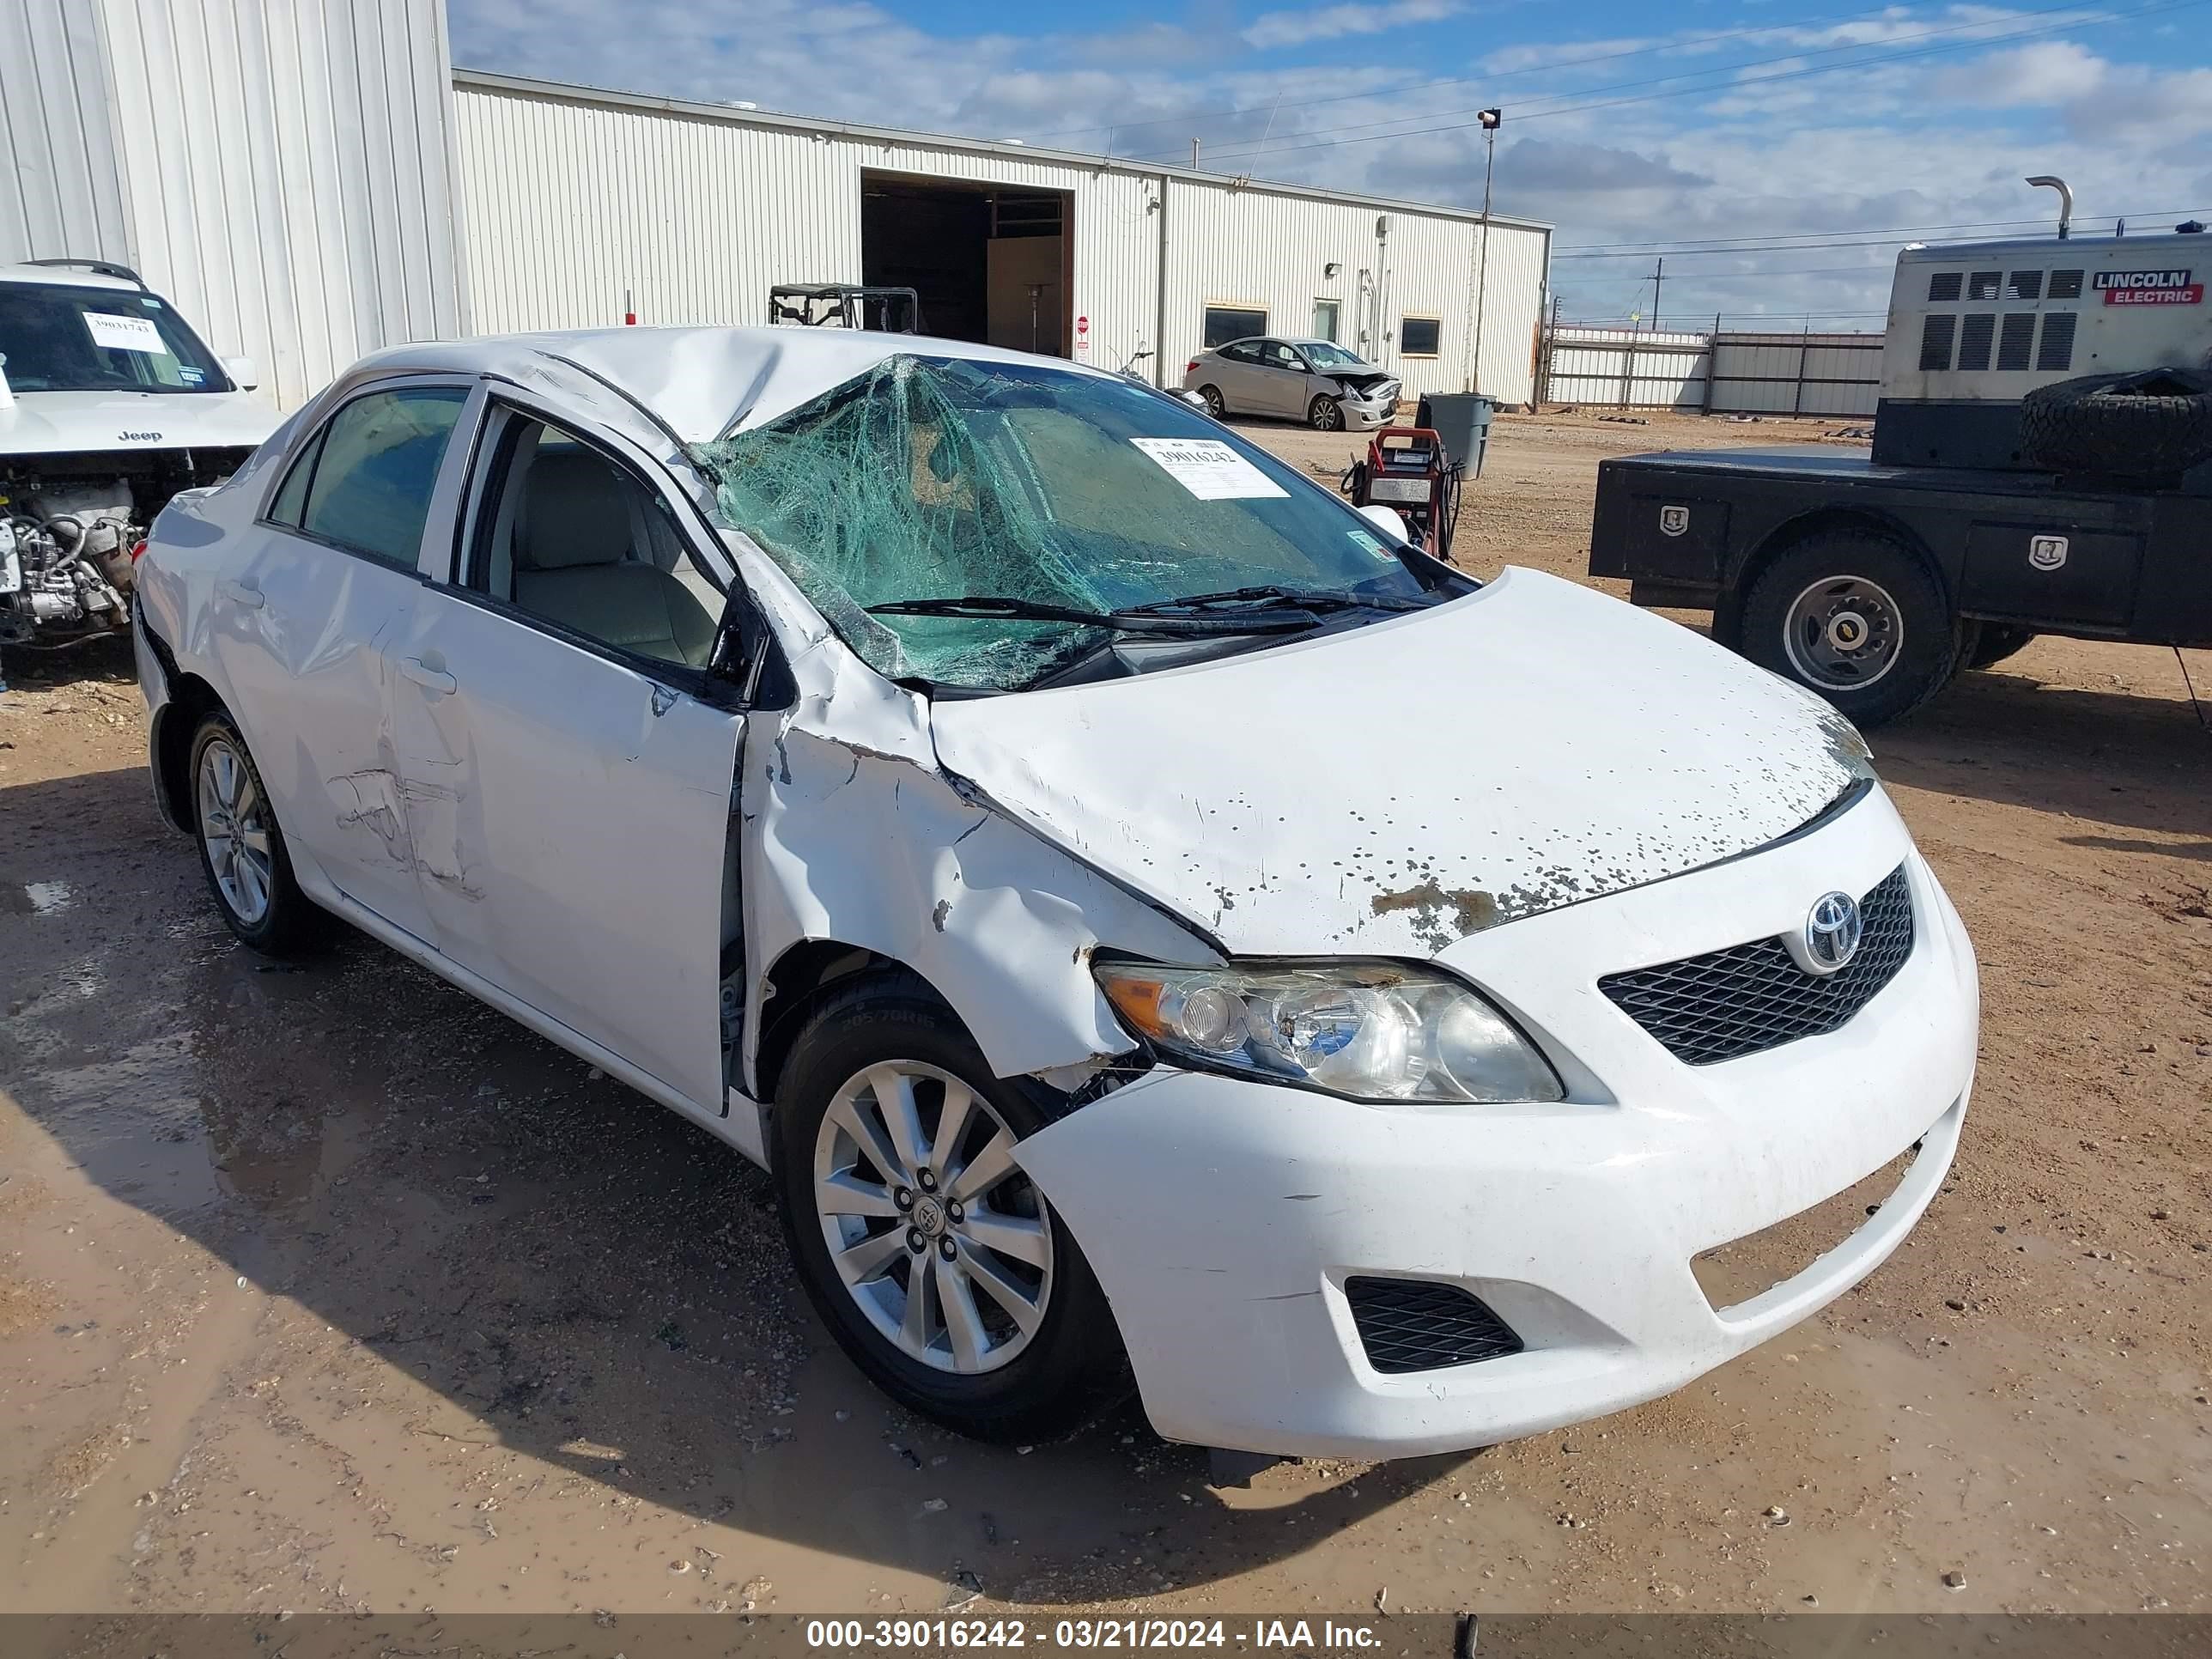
x: 1461, y: 419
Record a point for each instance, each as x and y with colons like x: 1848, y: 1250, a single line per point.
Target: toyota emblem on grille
x: 1830, y: 938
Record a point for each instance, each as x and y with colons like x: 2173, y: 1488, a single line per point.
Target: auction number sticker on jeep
x: 1209, y: 469
x: 2150, y: 288
x: 113, y: 333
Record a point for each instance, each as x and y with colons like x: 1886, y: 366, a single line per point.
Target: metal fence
x: 1721, y: 372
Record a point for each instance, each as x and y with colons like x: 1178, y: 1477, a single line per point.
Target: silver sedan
x: 1316, y: 381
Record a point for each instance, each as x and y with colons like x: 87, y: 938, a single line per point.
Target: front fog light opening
x: 1376, y: 1032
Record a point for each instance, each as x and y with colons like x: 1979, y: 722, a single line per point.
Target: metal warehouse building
x: 308, y: 179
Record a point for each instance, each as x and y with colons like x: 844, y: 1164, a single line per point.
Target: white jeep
x: 109, y: 405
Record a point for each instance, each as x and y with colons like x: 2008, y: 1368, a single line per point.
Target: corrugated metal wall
x: 278, y: 168
x: 61, y: 192
x: 574, y: 205
x: 1247, y: 245
x: 575, y: 199
x: 1778, y: 374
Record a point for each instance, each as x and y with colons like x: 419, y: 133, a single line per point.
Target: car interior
x: 577, y: 540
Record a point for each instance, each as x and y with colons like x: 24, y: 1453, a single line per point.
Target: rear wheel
x: 242, y: 849
x: 1216, y: 405
x: 1856, y: 616
x: 1325, y: 415
x: 935, y: 1261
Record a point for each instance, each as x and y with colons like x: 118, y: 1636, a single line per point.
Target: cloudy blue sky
x: 1819, y: 134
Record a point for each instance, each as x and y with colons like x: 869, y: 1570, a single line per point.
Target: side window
x: 1418, y: 337
x: 1241, y: 351
x: 1222, y: 323
x: 292, y: 498
x: 573, y: 537
x: 373, y: 470
x: 1276, y: 355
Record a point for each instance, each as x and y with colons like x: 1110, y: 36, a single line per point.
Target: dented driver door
x: 568, y: 779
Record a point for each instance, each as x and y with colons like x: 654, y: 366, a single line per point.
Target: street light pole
x: 1490, y: 119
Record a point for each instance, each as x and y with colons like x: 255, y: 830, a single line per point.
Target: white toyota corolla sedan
x: 1152, y: 921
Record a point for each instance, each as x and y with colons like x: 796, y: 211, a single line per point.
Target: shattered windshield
x: 941, y: 478
x: 1323, y: 355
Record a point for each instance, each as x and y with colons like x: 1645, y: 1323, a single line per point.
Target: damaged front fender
x: 854, y: 832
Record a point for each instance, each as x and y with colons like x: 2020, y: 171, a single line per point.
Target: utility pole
x: 1658, y: 274
x: 1490, y: 118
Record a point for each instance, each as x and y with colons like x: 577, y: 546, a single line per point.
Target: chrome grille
x: 1753, y: 997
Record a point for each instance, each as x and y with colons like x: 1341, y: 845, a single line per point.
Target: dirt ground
x: 330, y: 1289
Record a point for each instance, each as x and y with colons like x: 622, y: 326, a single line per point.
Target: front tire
x: 1857, y: 617
x: 937, y: 1264
x: 242, y: 851
x: 1325, y: 415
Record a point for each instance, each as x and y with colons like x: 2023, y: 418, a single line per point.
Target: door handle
x: 430, y: 679
x: 244, y: 593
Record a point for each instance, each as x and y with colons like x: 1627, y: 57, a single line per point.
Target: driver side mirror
x: 243, y: 372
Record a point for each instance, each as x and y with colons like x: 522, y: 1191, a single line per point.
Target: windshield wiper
x: 1273, y: 594
x: 1140, y: 619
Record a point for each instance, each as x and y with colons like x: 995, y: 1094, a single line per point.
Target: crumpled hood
x: 55, y: 422
x: 1389, y: 790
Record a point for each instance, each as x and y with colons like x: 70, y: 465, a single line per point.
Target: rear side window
x: 365, y: 482
x: 1226, y: 323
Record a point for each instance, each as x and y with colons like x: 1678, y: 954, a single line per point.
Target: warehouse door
x: 990, y: 263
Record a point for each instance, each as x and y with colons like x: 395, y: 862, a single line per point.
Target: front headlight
x: 1373, y: 1031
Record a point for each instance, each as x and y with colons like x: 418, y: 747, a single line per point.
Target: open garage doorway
x: 990, y: 263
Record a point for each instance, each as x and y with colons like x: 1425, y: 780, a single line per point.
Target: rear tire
x: 1325, y: 414
x: 242, y: 851
x: 1012, y: 1343
x: 1216, y: 405
x: 1856, y: 616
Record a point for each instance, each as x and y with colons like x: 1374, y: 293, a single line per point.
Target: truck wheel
x: 1858, y: 618
x: 1996, y: 641
x: 2156, y: 423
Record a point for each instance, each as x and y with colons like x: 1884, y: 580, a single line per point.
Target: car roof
x: 700, y: 381
x: 65, y: 277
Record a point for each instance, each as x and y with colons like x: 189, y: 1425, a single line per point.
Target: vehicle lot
x: 331, y: 1289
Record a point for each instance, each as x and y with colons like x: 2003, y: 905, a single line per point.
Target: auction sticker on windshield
x: 1209, y: 469
x: 113, y: 333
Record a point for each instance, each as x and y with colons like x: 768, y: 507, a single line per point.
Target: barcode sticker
x: 1209, y: 469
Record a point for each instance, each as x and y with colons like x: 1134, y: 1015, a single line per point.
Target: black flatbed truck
x: 1811, y: 558
x: 2042, y: 464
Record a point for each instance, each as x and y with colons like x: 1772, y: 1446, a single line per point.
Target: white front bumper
x: 1223, y: 1217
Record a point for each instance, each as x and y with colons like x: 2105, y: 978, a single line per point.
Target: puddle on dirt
x: 39, y: 898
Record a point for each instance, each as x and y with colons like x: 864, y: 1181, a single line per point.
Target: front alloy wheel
x: 1326, y: 415
x: 930, y: 1254
x: 944, y: 1244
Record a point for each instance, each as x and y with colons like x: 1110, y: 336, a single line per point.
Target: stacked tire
x: 2148, y: 427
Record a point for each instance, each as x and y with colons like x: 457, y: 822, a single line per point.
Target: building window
x: 1324, y: 319
x: 1227, y: 323
x: 1419, y: 336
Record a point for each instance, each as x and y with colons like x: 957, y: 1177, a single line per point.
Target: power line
x: 1870, y: 61
x: 1680, y: 43
x: 1793, y: 242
